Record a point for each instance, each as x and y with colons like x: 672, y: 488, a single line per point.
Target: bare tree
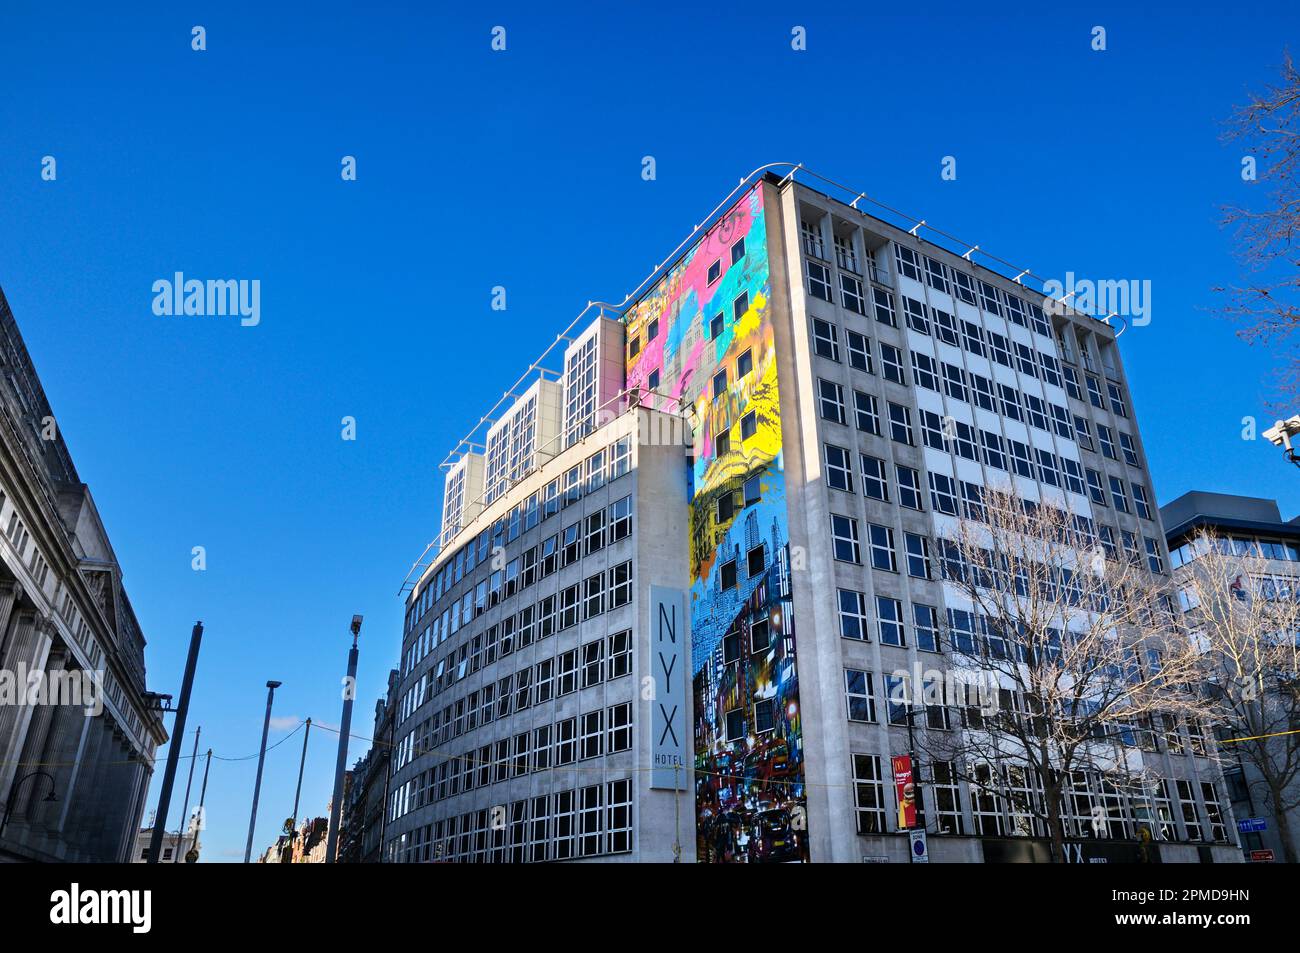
x: 1246, y: 621
x: 1083, y: 646
x: 1265, y: 302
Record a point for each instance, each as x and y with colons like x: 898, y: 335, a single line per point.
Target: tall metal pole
x: 293, y: 829
x: 201, y: 820
x: 185, y: 817
x: 261, y: 760
x: 349, y: 689
x: 174, y: 752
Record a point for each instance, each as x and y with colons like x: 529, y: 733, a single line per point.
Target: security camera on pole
x: 349, y: 691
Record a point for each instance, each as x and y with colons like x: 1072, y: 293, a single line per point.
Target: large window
x: 868, y: 794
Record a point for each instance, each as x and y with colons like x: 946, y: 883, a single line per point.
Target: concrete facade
x: 65, y: 618
x: 840, y: 341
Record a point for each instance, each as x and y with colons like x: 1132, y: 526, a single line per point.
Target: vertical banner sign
x: 669, y: 663
x: 905, y: 791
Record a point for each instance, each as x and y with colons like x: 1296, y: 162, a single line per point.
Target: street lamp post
x: 13, y: 795
x: 261, y: 760
x: 349, y: 690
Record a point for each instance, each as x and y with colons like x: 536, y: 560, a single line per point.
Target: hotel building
x: 771, y: 434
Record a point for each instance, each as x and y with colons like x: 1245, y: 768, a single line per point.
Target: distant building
x: 1249, y: 524
x: 363, y: 809
x: 171, y: 841
x: 73, y: 778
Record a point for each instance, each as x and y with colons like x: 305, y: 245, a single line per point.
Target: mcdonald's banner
x: 905, y: 791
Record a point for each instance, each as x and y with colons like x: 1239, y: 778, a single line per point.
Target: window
x: 717, y: 326
x: 620, y: 584
x: 1117, y: 494
x: 932, y: 432
x: 620, y: 519
x: 925, y: 621
x: 845, y: 255
x: 1094, y: 391
x: 756, y: 560
x: 900, y: 423
x: 985, y: 396
x: 993, y: 455
x: 844, y: 539
x: 839, y: 471
x: 889, y: 620
x: 652, y: 330
x: 925, y: 370
x: 740, y: 306
x: 954, y: 382
x: 915, y: 312
x: 722, y: 444
x: 884, y: 307
x: 891, y: 360
x: 1020, y: 460
x: 866, y: 413
x: 853, y: 614
x: 859, y: 351
x: 898, y: 695
x: 727, y: 575
x: 715, y: 271
x: 720, y: 383
x: 595, y: 536
x: 830, y: 400
x: 909, y: 488
x: 744, y: 364
x: 619, y: 655
x: 935, y: 275
x: 945, y: 327
x: 1107, y: 441
x: 1155, y: 561
x: 1047, y: 468
x: 593, y: 663
x: 1140, y: 501
x: 918, y: 555
x: 812, y: 239
x: 759, y: 636
x: 964, y: 285
x: 947, y: 797
x: 868, y: 794
x: 748, y: 425
x: 908, y: 262
x: 620, y: 728
x: 819, y: 279
x: 593, y: 733
x: 973, y: 337
x: 859, y: 696
x: 826, y: 340
x: 1095, y: 490
x: 1116, y: 400
x: 874, y: 482
x: 989, y: 300
x: 943, y: 494
x: 1127, y: 446
x: 851, y: 293
x: 1073, y: 475
x: 737, y: 250
x: 1082, y: 432
x: 881, y: 539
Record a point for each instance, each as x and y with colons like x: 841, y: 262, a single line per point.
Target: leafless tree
x: 1085, y: 650
x: 1246, y: 621
x: 1265, y: 302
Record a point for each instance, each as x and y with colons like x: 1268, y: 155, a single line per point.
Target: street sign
x: 1252, y: 825
x: 1263, y: 856
x: 920, y: 850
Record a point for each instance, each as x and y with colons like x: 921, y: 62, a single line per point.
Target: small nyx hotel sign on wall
x: 669, y: 660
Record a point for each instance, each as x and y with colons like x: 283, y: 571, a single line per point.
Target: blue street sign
x: 1251, y: 825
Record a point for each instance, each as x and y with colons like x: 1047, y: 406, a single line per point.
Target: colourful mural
x: 713, y: 315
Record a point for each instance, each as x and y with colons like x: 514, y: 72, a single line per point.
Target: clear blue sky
x: 522, y: 169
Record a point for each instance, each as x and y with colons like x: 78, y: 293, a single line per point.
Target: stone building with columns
x: 77, y: 732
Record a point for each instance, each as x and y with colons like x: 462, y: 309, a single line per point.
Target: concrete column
x: 62, y: 745
x: 119, y: 772
x: 33, y: 758
x: 72, y: 754
x: 81, y: 802
x: 26, y: 648
x: 125, y: 825
x: 10, y: 593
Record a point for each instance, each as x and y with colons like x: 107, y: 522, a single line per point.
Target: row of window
x: 605, y: 465
x: 1008, y: 801
x: 594, y: 662
x: 598, y: 593
x: 586, y: 822
x: 600, y: 528
x: 592, y: 734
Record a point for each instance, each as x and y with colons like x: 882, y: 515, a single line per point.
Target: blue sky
x: 522, y: 169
